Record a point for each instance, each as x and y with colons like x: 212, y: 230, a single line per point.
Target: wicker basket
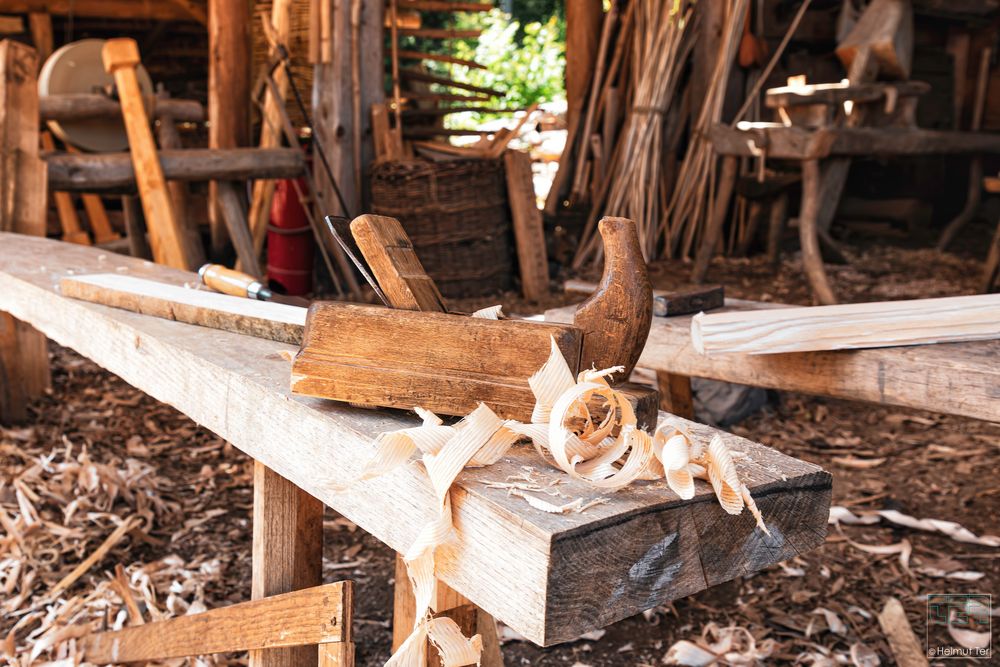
x: 457, y: 216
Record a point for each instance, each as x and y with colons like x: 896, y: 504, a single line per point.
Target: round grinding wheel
x: 77, y: 68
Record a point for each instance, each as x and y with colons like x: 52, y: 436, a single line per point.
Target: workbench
x: 821, y: 152
x: 952, y: 378
x: 550, y: 577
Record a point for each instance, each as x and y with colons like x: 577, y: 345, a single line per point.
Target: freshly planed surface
x: 848, y: 326
x: 550, y: 577
x: 317, y: 615
x: 923, y: 377
x: 442, y: 362
x: 263, y: 319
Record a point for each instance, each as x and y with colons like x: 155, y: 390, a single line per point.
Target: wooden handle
x: 395, y: 265
x: 120, y: 52
x: 228, y: 281
x: 615, y: 319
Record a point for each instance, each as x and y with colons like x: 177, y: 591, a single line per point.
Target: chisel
x: 234, y: 283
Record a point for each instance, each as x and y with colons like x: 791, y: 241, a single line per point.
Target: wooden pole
x: 583, y: 32
x: 170, y: 139
x: 24, y: 360
x: 229, y: 56
x: 120, y: 58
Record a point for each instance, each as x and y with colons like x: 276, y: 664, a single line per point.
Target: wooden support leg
x: 135, y: 229
x: 675, y: 394
x: 449, y: 603
x: 776, y: 228
x: 991, y: 274
x: 231, y: 205
x: 812, y: 200
x: 287, y: 552
x: 24, y: 368
x: 727, y: 179
x: 972, y: 199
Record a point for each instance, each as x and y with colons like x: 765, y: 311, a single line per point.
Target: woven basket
x: 457, y: 216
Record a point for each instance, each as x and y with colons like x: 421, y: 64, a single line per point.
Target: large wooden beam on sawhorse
x: 24, y: 360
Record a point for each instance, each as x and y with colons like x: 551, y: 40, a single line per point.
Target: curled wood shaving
x: 606, y: 450
x: 950, y: 529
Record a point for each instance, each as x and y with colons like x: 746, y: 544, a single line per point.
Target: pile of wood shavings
x: 82, y: 496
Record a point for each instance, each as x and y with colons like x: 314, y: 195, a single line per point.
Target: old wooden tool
x: 121, y: 56
x: 449, y: 363
x: 236, y: 283
x: 616, y: 318
x: 683, y: 300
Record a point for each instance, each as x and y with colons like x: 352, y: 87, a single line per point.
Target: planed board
x: 445, y: 363
x: 530, y: 569
x: 848, y: 326
x: 263, y: 319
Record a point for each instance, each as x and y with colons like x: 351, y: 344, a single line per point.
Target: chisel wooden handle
x: 233, y: 283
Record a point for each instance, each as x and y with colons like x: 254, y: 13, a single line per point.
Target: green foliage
x: 528, y: 69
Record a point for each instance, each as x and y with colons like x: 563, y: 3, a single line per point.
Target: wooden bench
x: 955, y: 378
x: 550, y: 577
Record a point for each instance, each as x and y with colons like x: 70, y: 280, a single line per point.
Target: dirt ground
x: 100, y: 452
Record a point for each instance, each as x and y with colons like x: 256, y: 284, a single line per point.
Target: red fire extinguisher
x: 289, y: 240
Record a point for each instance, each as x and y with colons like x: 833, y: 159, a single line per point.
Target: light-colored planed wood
x: 849, y: 326
x: 393, y: 262
x: 529, y: 234
x: 922, y: 377
x: 521, y: 565
x: 263, y: 319
x: 444, y: 363
x: 229, y: 58
x: 24, y: 360
x: 287, y: 556
x: 316, y: 615
x: 120, y: 58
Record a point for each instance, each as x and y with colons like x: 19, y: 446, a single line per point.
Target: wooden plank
x: 69, y: 221
x: 287, y: 556
x: 449, y: 363
x: 40, y: 25
x: 263, y: 319
x: 121, y: 56
x: 835, y: 94
x: 519, y: 564
x: 529, y: 234
x: 675, y: 394
x: 394, y: 263
x: 229, y: 58
x: 170, y: 139
x: 135, y: 229
x: 119, y: 9
x: 194, y: 10
x: 922, y: 377
x: 24, y: 359
x: 97, y: 172
x: 311, y: 616
x: 440, y: 33
x: 849, y: 326
x: 232, y: 206
x: 405, y: 54
x: 86, y: 105
x: 97, y: 216
x: 417, y: 75
x: 906, y: 648
x: 583, y: 33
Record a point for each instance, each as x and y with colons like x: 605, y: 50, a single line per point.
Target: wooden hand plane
x: 449, y: 363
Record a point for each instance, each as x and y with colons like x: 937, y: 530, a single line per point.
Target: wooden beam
x: 849, y: 326
x: 583, y: 33
x: 232, y: 204
x: 529, y: 233
x: 193, y: 10
x: 287, y: 554
x: 316, y: 615
x: 262, y: 319
x: 229, y: 49
x: 416, y: 75
x: 170, y: 139
x: 923, y: 377
x: 40, y: 24
x: 521, y: 565
x: 74, y: 106
x: 97, y: 172
x: 69, y: 221
x: 24, y: 360
x: 445, y: 6
x: 440, y: 33
x: 418, y: 55
x: 119, y: 9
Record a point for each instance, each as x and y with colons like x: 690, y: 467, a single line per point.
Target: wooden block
x: 445, y: 363
x: 287, y: 556
x: 316, y: 615
x: 687, y: 299
x: 394, y: 263
x: 262, y: 319
x: 636, y: 549
x: 849, y: 326
x: 529, y: 234
x: 645, y: 403
x: 675, y: 394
